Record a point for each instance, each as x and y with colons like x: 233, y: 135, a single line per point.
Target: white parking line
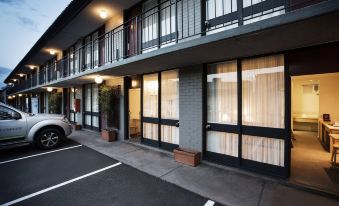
x: 21, y: 158
x: 59, y: 185
x: 209, y: 203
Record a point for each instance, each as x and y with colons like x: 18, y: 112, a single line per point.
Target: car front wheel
x: 49, y: 138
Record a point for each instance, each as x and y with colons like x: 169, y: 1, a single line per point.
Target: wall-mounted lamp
x: 49, y: 89
x: 103, y: 14
x: 98, y: 79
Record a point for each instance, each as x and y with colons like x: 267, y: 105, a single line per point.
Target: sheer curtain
x: 88, y: 104
x: 71, y: 102
x: 150, y: 105
x: 222, y: 106
x: 263, y: 105
x: 170, y: 105
x: 95, y: 104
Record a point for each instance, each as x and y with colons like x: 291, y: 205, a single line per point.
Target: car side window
x: 6, y: 113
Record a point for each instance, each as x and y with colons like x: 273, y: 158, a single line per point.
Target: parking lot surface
x: 77, y: 175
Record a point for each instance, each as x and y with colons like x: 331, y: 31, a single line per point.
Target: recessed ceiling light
x: 20, y: 95
x: 98, y: 79
x: 21, y: 75
x: 52, y: 52
x: 103, y: 14
x: 31, y: 67
x: 49, y: 89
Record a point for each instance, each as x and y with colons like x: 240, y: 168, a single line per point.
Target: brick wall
x: 191, y: 107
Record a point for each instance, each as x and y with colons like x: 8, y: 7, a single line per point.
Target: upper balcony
x: 156, y: 27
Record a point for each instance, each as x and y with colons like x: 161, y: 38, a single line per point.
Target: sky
x: 22, y: 23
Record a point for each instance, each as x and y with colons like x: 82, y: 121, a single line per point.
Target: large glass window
x: 261, y: 132
x: 263, y: 92
x: 168, y: 124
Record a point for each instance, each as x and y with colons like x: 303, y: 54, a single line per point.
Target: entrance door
x: 160, y: 113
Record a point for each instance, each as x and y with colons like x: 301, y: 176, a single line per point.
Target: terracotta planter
x: 76, y: 126
x: 187, y: 157
x: 109, y: 136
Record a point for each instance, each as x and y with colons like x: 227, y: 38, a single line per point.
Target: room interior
x: 314, y: 96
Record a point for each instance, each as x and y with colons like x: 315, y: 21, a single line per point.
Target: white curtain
x: 150, y: 131
x: 263, y: 92
x: 262, y: 149
x: 167, y: 16
x: 88, y: 52
x: 95, y: 49
x: 170, y: 94
x: 150, y: 21
x: 150, y: 95
x: 222, y: 143
x: 170, y: 134
x: 71, y: 102
x: 222, y: 93
x: 95, y: 104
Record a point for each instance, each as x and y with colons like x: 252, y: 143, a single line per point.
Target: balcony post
x: 203, y: 17
x: 240, y: 12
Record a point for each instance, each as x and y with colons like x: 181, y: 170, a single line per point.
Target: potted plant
x: 106, y: 106
x: 188, y: 157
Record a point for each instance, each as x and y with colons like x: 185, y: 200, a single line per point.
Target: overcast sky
x: 22, y: 22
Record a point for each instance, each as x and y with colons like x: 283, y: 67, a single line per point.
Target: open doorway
x: 314, y: 96
x: 134, y: 108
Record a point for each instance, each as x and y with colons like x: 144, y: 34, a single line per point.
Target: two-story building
x: 207, y: 75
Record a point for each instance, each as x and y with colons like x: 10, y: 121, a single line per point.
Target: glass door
x: 222, y: 137
x: 160, y: 109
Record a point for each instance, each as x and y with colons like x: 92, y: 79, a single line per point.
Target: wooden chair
x: 335, y: 148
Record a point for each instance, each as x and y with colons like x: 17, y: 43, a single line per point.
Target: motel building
x: 244, y: 82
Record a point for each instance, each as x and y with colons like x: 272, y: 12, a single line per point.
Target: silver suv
x: 45, y: 131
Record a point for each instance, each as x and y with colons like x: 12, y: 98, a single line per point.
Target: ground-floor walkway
x: 311, y: 163
x: 225, y: 185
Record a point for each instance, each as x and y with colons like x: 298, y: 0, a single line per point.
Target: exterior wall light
x: 103, y: 14
x: 98, y: 80
x: 31, y: 67
x: 52, y: 52
x: 14, y: 80
x: 49, y: 89
x: 13, y: 96
x: 21, y: 75
x: 20, y: 95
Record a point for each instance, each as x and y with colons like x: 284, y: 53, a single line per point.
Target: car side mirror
x: 16, y: 115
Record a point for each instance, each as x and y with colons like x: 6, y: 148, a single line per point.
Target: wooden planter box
x: 76, y: 126
x: 108, y: 135
x: 187, y: 157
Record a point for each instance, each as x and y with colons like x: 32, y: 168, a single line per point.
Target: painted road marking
x: 209, y: 203
x: 59, y: 185
x: 21, y: 158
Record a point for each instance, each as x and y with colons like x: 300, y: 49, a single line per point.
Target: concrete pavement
x: 225, y: 185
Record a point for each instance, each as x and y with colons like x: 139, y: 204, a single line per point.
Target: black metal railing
x: 159, y: 25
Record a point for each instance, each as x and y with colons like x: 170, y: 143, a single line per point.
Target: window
x: 150, y: 106
x: 6, y: 113
x: 263, y: 92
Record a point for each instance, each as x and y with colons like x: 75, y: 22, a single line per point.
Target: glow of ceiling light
x: 71, y: 56
x: 51, y: 52
x: 9, y: 97
x: 14, y: 80
x: 21, y: 75
x: 98, y: 79
x: 134, y: 83
x: 103, y: 14
x: 20, y: 95
x: 49, y: 89
x: 31, y: 67
x: 13, y: 96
